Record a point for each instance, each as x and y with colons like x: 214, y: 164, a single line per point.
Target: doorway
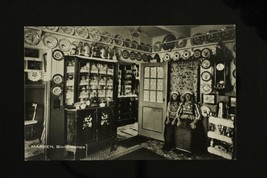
x: 152, y: 100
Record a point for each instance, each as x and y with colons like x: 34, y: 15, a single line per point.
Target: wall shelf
x: 220, y: 137
x: 219, y: 152
x: 94, y: 58
x: 192, y: 47
x: 141, y: 51
x: 90, y: 40
x: 221, y: 121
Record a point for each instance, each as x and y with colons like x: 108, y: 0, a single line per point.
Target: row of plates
x: 133, y: 55
x: 33, y: 38
x: 212, y: 36
x: 186, y: 54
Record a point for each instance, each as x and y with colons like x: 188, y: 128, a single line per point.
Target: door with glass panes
x: 152, y: 100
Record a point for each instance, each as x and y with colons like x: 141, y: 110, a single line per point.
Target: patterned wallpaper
x: 184, y: 76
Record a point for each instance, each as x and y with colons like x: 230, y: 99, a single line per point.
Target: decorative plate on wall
x: 132, y: 55
x: 58, y: 55
x: 206, y: 64
x: 181, y: 43
x: 107, y: 37
x: 118, y: 53
x: 176, y: 56
x: 125, y: 54
x: 94, y: 34
x: 170, y: 45
x: 81, y: 32
x: 57, y: 90
x: 128, y: 43
x: 206, y: 88
x: 31, y: 37
x: 212, y: 36
x: 166, y: 57
x: 34, y: 75
x: 186, y: 54
x: 64, y: 44
x: 197, y: 39
x: 134, y: 44
x: 52, y: 28
x: 50, y: 40
x: 138, y: 56
x: 68, y: 30
x: 118, y: 40
x: 57, y: 79
x: 206, y: 53
x: 197, y: 53
x: 144, y: 58
x: 206, y: 76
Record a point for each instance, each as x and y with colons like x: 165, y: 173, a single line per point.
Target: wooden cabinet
x: 127, y: 108
x: 90, y: 127
x: 89, y: 100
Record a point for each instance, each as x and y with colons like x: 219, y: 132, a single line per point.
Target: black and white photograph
x: 135, y: 92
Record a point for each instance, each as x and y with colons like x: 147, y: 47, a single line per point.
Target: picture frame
x: 209, y: 98
x: 232, y: 101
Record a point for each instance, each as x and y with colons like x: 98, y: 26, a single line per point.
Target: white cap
x: 175, y: 92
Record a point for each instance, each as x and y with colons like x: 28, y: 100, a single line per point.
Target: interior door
x: 152, y: 100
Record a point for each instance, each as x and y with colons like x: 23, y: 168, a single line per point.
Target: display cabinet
x: 128, y: 88
x: 89, y: 95
x: 88, y: 82
x: 221, y: 136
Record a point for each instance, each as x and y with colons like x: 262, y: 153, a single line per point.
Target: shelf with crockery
x: 221, y: 121
x: 219, y: 152
x: 94, y: 36
x: 221, y: 137
x: 185, y: 47
x: 218, y: 136
x: 88, y: 83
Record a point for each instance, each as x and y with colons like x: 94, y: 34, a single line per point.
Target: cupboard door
x: 105, y: 121
x: 71, y: 134
x: 86, y: 126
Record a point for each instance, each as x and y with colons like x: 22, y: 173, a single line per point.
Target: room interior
x: 101, y: 92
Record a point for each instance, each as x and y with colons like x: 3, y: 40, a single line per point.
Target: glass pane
x: 152, y: 96
x: 153, y: 72
x: 146, y: 83
x: 160, y: 84
x: 159, y: 97
x: 153, y: 84
x: 146, y: 95
x: 147, y: 72
x: 160, y: 72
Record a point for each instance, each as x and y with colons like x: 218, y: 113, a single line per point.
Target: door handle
x: 163, y: 99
